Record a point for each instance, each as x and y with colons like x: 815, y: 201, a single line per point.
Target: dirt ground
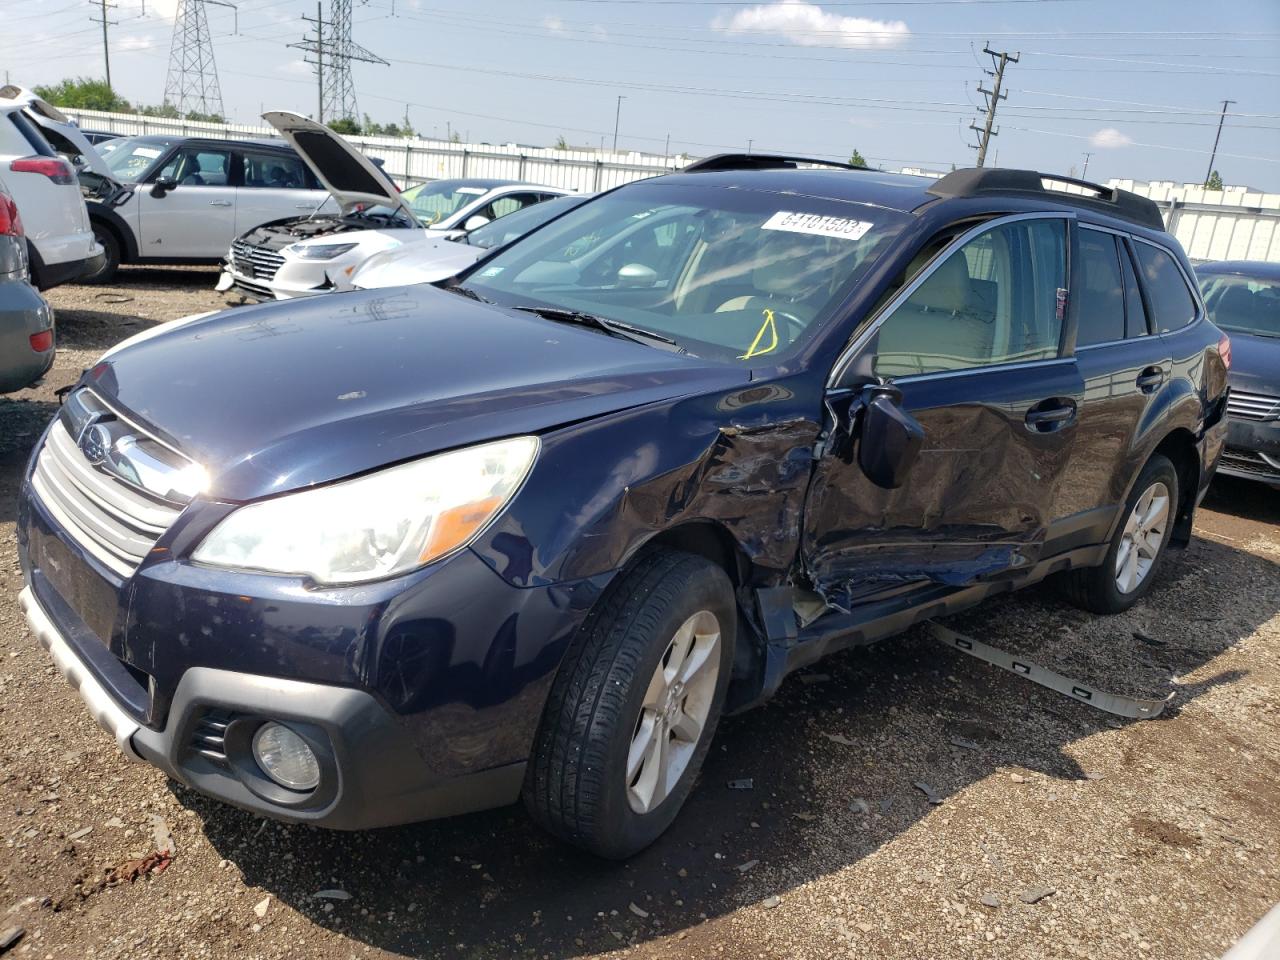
x: 1055, y: 831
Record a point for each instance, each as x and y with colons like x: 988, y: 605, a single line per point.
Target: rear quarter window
x: 1171, y: 301
x: 1100, y: 299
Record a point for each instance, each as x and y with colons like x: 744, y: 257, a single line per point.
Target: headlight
x: 320, y: 251
x: 378, y: 525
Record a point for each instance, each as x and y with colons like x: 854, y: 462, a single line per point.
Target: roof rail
x: 983, y: 181
x: 759, y: 161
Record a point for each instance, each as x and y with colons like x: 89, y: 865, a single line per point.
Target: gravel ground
x: 905, y: 801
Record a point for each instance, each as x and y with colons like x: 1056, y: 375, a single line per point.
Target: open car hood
x: 63, y: 135
x: 350, y: 177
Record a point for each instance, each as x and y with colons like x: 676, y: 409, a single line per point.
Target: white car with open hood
x: 302, y: 256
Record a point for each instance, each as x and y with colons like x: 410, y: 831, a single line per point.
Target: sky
x: 1137, y: 85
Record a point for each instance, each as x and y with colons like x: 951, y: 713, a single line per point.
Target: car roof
x: 1247, y: 268
x: 169, y: 139
x: 895, y: 191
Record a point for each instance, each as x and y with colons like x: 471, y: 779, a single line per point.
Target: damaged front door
x: 974, y: 345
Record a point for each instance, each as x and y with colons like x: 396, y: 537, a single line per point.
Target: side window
x: 274, y: 170
x: 1100, y: 294
x: 510, y: 204
x: 998, y: 299
x: 1135, y: 314
x: 1171, y: 301
x: 195, y: 167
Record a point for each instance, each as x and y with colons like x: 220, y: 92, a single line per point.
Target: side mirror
x: 637, y: 275
x: 475, y: 222
x: 162, y: 186
x: 890, y: 440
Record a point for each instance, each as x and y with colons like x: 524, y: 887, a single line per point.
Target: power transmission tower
x: 999, y: 59
x: 192, y: 82
x: 334, y: 52
x: 106, y: 47
x: 1214, y: 155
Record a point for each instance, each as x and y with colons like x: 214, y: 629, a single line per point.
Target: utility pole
x: 999, y: 59
x: 315, y: 45
x: 617, y: 115
x: 1086, y: 165
x: 106, y: 47
x: 1214, y: 155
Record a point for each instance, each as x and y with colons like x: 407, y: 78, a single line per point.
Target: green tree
x: 856, y: 159
x: 455, y: 137
x: 84, y: 93
x: 346, y: 125
x: 562, y: 143
x: 166, y: 110
x: 1214, y: 182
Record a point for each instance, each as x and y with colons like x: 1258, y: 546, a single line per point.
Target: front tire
x: 1138, y: 545
x: 111, y: 261
x: 633, y: 710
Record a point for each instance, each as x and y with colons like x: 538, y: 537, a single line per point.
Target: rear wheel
x: 111, y: 261
x: 632, y: 712
x: 1137, y: 547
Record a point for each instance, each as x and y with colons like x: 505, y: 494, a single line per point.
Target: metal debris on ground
x: 331, y: 895
x: 745, y: 784
x: 638, y: 911
x: 964, y: 744
x: 11, y: 937
x: 929, y: 792
x: 1132, y: 707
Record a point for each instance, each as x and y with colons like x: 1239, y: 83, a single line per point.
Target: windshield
x: 735, y: 275
x: 433, y: 202
x: 1242, y: 304
x: 515, y: 225
x: 130, y: 158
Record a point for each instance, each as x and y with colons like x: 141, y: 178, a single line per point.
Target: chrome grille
x: 256, y: 263
x: 1252, y: 406
x: 115, y: 522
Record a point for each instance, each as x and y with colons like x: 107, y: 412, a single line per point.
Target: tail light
x: 10, y: 222
x: 55, y: 168
x: 42, y: 341
x: 1224, y: 350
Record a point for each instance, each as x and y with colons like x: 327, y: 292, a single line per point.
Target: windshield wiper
x: 615, y: 328
x: 466, y: 292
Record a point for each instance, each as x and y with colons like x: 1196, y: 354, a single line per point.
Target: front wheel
x: 1137, y: 547
x: 111, y: 260
x: 635, y: 705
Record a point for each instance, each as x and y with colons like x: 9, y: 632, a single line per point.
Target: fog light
x: 285, y: 757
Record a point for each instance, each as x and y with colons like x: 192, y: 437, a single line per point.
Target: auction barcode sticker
x: 815, y: 224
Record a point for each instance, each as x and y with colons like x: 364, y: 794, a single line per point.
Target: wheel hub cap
x: 1142, y: 538
x: 674, y: 712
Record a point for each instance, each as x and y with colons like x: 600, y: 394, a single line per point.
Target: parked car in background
x: 303, y: 256
x: 403, y: 554
x: 26, y: 322
x: 185, y: 198
x: 42, y: 182
x: 438, y: 259
x: 1243, y: 298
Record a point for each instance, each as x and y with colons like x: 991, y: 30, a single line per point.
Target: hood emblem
x: 95, y: 444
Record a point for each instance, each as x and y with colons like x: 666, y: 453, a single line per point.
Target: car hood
x: 350, y: 177
x: 1255, y: 363
x: 283, y: 396
x: 368, y: 242
x: 424, y: 262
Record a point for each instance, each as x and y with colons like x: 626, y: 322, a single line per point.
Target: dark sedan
x: 1243, y: 298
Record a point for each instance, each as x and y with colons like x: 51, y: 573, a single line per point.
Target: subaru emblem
x: 95, y: 444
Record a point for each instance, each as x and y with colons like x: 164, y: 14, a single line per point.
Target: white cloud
x: 554, y: 24
x: 808, y: 25
x: 1108, y: 138
x: 138, y: 43
x: 295, y: 68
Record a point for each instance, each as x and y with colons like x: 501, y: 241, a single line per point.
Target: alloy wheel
x: 1142, y: 538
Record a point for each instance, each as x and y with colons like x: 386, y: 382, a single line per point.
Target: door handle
x: 1050, y: 415
x: 219, y: 203
x: 1150, y: 378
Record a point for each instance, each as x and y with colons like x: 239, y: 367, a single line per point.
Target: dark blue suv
x: 404, y: 553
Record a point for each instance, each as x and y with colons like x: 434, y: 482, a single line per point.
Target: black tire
x: 111, y: 248
x: 1095, y: 588
x: 576, y: 785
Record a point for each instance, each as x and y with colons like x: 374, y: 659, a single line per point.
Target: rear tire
x: 1138, y: 546
x: 111, y: 248
x: 623, y: 734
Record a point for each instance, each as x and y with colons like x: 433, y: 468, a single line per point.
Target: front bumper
x: 1252, y: 451
x: 293, y: 278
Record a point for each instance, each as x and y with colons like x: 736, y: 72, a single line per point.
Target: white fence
x: 1232, y: 224
x: 411, y: 160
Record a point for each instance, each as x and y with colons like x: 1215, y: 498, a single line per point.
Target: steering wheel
x: 796, y: 326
